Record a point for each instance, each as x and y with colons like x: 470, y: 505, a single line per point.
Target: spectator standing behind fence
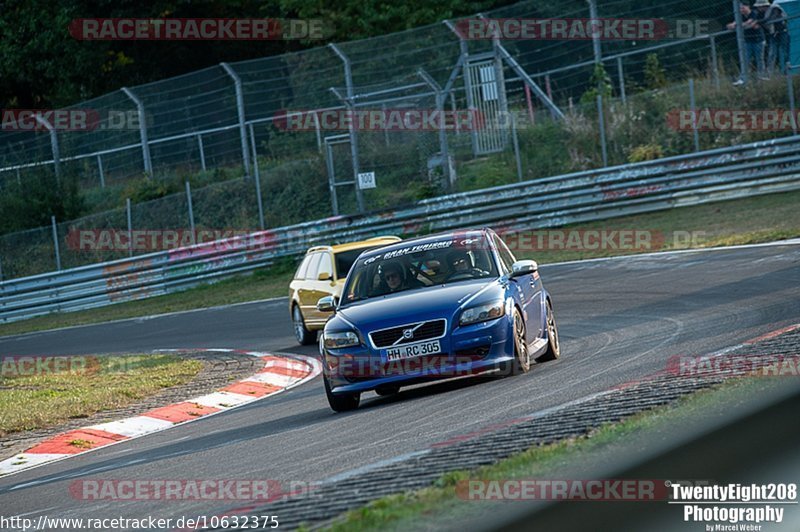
x: 753, y: 40
x: 776, y: 31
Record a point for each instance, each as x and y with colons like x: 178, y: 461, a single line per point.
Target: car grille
x: 422, y: 330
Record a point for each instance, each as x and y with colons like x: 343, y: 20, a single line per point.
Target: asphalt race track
x: 619, y: 320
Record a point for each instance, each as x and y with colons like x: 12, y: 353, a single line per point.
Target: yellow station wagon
x: 322, y: 273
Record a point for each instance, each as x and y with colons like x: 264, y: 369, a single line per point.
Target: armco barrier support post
x: 148, y: 162
x: 55, y: 242
x: 130, y: 227
x: 191, y: 210
x: 237, y: 83
x: 53, y: 145
x: 348, y: 79
x: 693, y: 109
x: 601, y: 124
x: 257, y: 175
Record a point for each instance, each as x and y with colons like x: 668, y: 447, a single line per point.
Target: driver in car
x: 393, y: 277
x: 461, y: 265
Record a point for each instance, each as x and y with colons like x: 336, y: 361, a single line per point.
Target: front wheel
x: 341, y: 402
x: 522, y: 362
x: 301, y: 333
x: 553, y: 345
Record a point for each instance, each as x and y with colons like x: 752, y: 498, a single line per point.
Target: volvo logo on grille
x: 408, y: 334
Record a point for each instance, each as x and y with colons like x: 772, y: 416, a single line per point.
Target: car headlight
x: 488, y: 311
x: 340, y: 339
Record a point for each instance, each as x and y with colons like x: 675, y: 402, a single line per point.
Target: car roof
x: 423, y: 240
x: 359, y: 244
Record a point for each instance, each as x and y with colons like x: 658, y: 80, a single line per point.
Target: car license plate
x: 413, y: 350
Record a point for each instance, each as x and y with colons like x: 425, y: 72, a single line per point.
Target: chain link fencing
x: 227, y: 129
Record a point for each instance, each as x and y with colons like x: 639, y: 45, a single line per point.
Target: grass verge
x: 39, y: 395
x: 440, y: 506
x: 745, y: 221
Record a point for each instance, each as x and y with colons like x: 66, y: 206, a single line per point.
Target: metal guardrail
x: 726, y: 173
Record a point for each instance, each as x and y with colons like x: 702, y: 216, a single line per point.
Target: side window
x: 325, y: 265
x: 311, y: 273
x: 301, y: 271
x: 506, y: 257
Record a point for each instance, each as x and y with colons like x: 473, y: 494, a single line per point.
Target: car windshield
x: 419, y: 266
x: 345, y: 260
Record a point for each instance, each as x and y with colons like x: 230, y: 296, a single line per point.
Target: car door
x: 322, y: 287
x: 306, y: 289
x: 530, y: 289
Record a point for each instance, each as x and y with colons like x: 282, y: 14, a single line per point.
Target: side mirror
x: 326, y: 304
x: 524, y: 267
x: 324, y: 276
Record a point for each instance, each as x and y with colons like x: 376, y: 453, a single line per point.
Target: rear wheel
x: 553, y: 345
x: 301, y: 333
x: 341, y: 402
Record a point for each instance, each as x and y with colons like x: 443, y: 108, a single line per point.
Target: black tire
x: 522, y: 359
x: 341, y: 402
x: 301, y: 333
x: 553, y: 344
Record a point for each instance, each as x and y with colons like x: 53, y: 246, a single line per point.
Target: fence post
x: 348, y: 79
x: 1, y: 271
x: 621, y: 75
x: 743, y: 66
x: 100, y: 171
x: 202, y: 152
x: 602, y: 125
x: 693, y: 109
x: 191, y: 210
x: 148, y: 162
x: 55, y: 242
x: 790, y: 89
x: 53, y: 145
x: 714, y: 64
x: 516, y: 145
x: 130, y: 226
x: 598, y: 53
x: 237, y: 83
x: 257, y: 175
x: 331, y: 178
x: 443, y: 148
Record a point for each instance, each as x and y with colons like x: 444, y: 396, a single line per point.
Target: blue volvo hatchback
x: 435, y: 307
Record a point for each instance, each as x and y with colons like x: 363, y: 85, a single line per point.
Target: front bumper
x: 466, y: 350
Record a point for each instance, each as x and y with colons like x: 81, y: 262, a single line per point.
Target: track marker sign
x: 366, y: 180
